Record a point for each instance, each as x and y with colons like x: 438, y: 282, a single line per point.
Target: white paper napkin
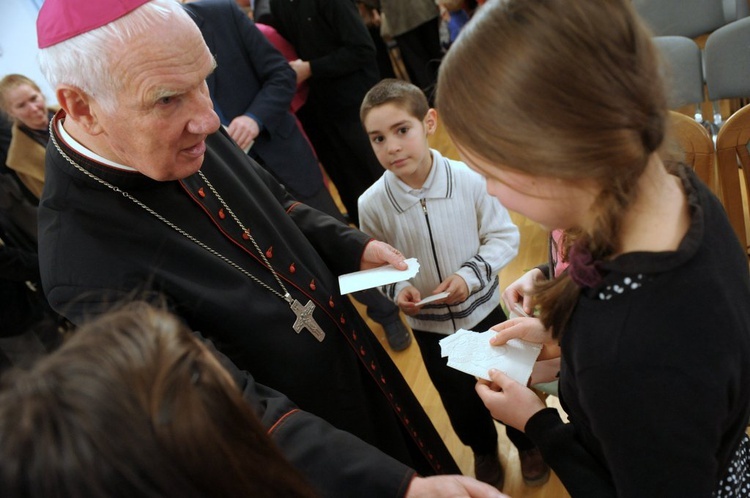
x: 471, y: 352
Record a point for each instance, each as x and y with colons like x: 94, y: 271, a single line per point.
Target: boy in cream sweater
x: 438, y: 210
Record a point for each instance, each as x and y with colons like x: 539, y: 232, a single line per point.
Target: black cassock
x: 98, y: 246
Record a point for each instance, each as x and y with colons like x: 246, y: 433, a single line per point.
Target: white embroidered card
x: 471, y: 353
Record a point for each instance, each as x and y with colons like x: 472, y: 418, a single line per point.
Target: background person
x: 252, y: 89
x: 23, y: 101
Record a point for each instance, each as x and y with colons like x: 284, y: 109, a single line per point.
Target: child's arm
x: 498, y: 239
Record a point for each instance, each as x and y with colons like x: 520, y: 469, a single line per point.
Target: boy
x: 438, y: 211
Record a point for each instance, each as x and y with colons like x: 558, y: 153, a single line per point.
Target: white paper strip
x: 375, y: 277
x: 432, y: 298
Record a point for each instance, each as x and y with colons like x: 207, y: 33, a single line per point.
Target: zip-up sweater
x: 455, y: 227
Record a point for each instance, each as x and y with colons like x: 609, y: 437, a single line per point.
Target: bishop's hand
x: 379, y: 253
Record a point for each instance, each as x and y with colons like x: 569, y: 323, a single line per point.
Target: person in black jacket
x: 28, y: 326
x: 338, y: 58
x: 252, y: 89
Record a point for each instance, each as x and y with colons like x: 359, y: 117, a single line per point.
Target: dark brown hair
x: 134, y: 406
x: 398, y: 92
x: 559, y: 89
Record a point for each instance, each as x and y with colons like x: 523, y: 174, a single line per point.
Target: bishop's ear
x: 77, y: 105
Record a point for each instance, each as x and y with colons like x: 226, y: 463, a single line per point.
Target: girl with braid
x: 568, y: 123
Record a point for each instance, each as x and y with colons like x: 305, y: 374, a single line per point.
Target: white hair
x: 84, y: 61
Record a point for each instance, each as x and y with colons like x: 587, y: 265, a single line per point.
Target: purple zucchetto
x: 60, y: 20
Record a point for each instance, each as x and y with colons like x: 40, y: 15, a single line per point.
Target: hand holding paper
x: 471, y: 352
x: 430, y: 299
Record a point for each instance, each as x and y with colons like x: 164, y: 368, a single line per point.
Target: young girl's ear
x: 430, y: 121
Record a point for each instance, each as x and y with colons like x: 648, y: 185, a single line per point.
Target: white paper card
x: 375, y: 277
x: 471, y: 353
x: 435, y: 297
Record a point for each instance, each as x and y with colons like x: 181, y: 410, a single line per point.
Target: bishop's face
x: 164, y: 112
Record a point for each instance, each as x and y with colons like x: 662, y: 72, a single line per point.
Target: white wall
x: 18, y: 48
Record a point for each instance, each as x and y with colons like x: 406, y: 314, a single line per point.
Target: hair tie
x: 582, y: 268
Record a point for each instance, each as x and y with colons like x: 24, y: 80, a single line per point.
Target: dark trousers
x: 470, y: 419
x: 421, y: 51
x: 345, y: 151
x: 380, y: 309
x: 383, y: 54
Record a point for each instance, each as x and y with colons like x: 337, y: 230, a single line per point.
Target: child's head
x: 133, y: 405
x: 561, y: 106
x: 398, y: 120
x: 556, y: 89
x: 401, y: 93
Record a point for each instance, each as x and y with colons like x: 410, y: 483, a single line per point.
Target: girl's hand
x: 527, y: 328
x: 507, y: 400
x: 520, y: 291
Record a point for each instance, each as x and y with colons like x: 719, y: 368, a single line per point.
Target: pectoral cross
x: 305, y: 319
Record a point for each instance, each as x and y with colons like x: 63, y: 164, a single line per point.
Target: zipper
x: 423, y: 203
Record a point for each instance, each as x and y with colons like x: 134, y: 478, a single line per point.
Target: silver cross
x: 305, y: 319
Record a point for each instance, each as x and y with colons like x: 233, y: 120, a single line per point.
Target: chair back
x: 696, y: 144
x: 689, y: 18
x: 733, y: 167
x: 736, y: 9
x: 726, y: 59
x: 683, y: 71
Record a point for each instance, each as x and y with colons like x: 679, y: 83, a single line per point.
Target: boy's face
x: 400, y: 141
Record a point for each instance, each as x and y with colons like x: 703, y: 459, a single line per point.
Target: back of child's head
x: 559, y: 89
x: 133, y: 406
x: 556, y: 88
x: 403, y: 94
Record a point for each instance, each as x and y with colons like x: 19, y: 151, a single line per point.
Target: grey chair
x: 683, y: 72
x: 726, y: 63
x: 735, y: 9
x: 689, y: 18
